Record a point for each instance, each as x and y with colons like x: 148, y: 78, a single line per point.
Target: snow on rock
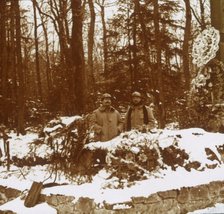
x: 17, y: 205
x: 99, y: 191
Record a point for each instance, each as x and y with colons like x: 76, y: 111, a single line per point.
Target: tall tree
x: 37, y: 51
x: 104, y: 27
x: 144, y: 36
x: 91, y: 80
x: 187, y: 37
x: 3, y: 60
x: 158, y: 64
x: 21, y: 92
x: 45, y: 30
x: 217, y: 19
x: 132, y: 59
x: 78, y: 63
x: 202, y: 9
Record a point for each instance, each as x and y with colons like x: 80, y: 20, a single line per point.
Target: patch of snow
x: 193, y: 141
x: 121, y: 206
x: 17, y: 205
x: 52, y: 129
x: 69, y: 120
x: 218, y: 209
x: 161, y: 181
x: 19, y: 145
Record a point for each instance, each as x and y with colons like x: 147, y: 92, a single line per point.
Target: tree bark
x: 3, y: 62
x: 78, y: 69
x: 202, y: 9
x: 187, y: 37
x: 217, y: 19
x: 13, y: 53
x: 159, y: 64
x: 134, y: 51
x: 48, y: 70
x: 105, y: 46
x: 37, y: 52
x: 91, y: 80
x: 130, y: 59
x: 21, y: 95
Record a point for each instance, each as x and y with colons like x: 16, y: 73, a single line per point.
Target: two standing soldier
x: 107, y: 122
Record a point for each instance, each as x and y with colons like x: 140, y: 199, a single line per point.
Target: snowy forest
x: 60, y: 56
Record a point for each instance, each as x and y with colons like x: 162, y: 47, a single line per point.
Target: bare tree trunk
x: 3, y: 62
x: 21, y: 95
x: 202, y: 8
x: 130, y: 51
x: 13, y: 53
x: 91, y: 81
x: 159, y: 70
x: 105, y: 46
x: 217, y: 19
x: 78, y: 68
x: 134, y: 50
x: 37, y: 52
x: 187, y: 36
x: 48, y: 71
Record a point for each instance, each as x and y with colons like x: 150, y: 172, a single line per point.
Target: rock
x: 183, y: 195
x: 214, y: 189
x: 154, y: 198
x: 138, y: 200
x: 199, y: 193
x: 12, y: 193
x: 85, y: 205
x: 168, y: 194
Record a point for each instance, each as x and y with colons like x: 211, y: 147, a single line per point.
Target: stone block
x: 197, y: 205
x: 183, y: 195
x: 168, y: 194
x: 175, y: 210
x: 221, y: 193
x: 167, y: 204
x: 214, y: 189
x: 2, y: 189
x: 62, y: 199
x: 85, y: 205
x: 52, y: 200
x: 143, y: 208
x: 12, y: 193
x: 104, y: 211
x: 199, y: 193
x: 154, y: 198
x: 65, y: 208
x: 138, y: 200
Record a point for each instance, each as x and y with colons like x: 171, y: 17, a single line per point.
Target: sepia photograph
x: 112, y: 106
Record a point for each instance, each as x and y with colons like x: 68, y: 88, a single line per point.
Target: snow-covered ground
x: 193, y: 141
x: 217, y: 209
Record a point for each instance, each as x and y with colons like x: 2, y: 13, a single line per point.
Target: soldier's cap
x: 106, y: 95
x: 136, y: 94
